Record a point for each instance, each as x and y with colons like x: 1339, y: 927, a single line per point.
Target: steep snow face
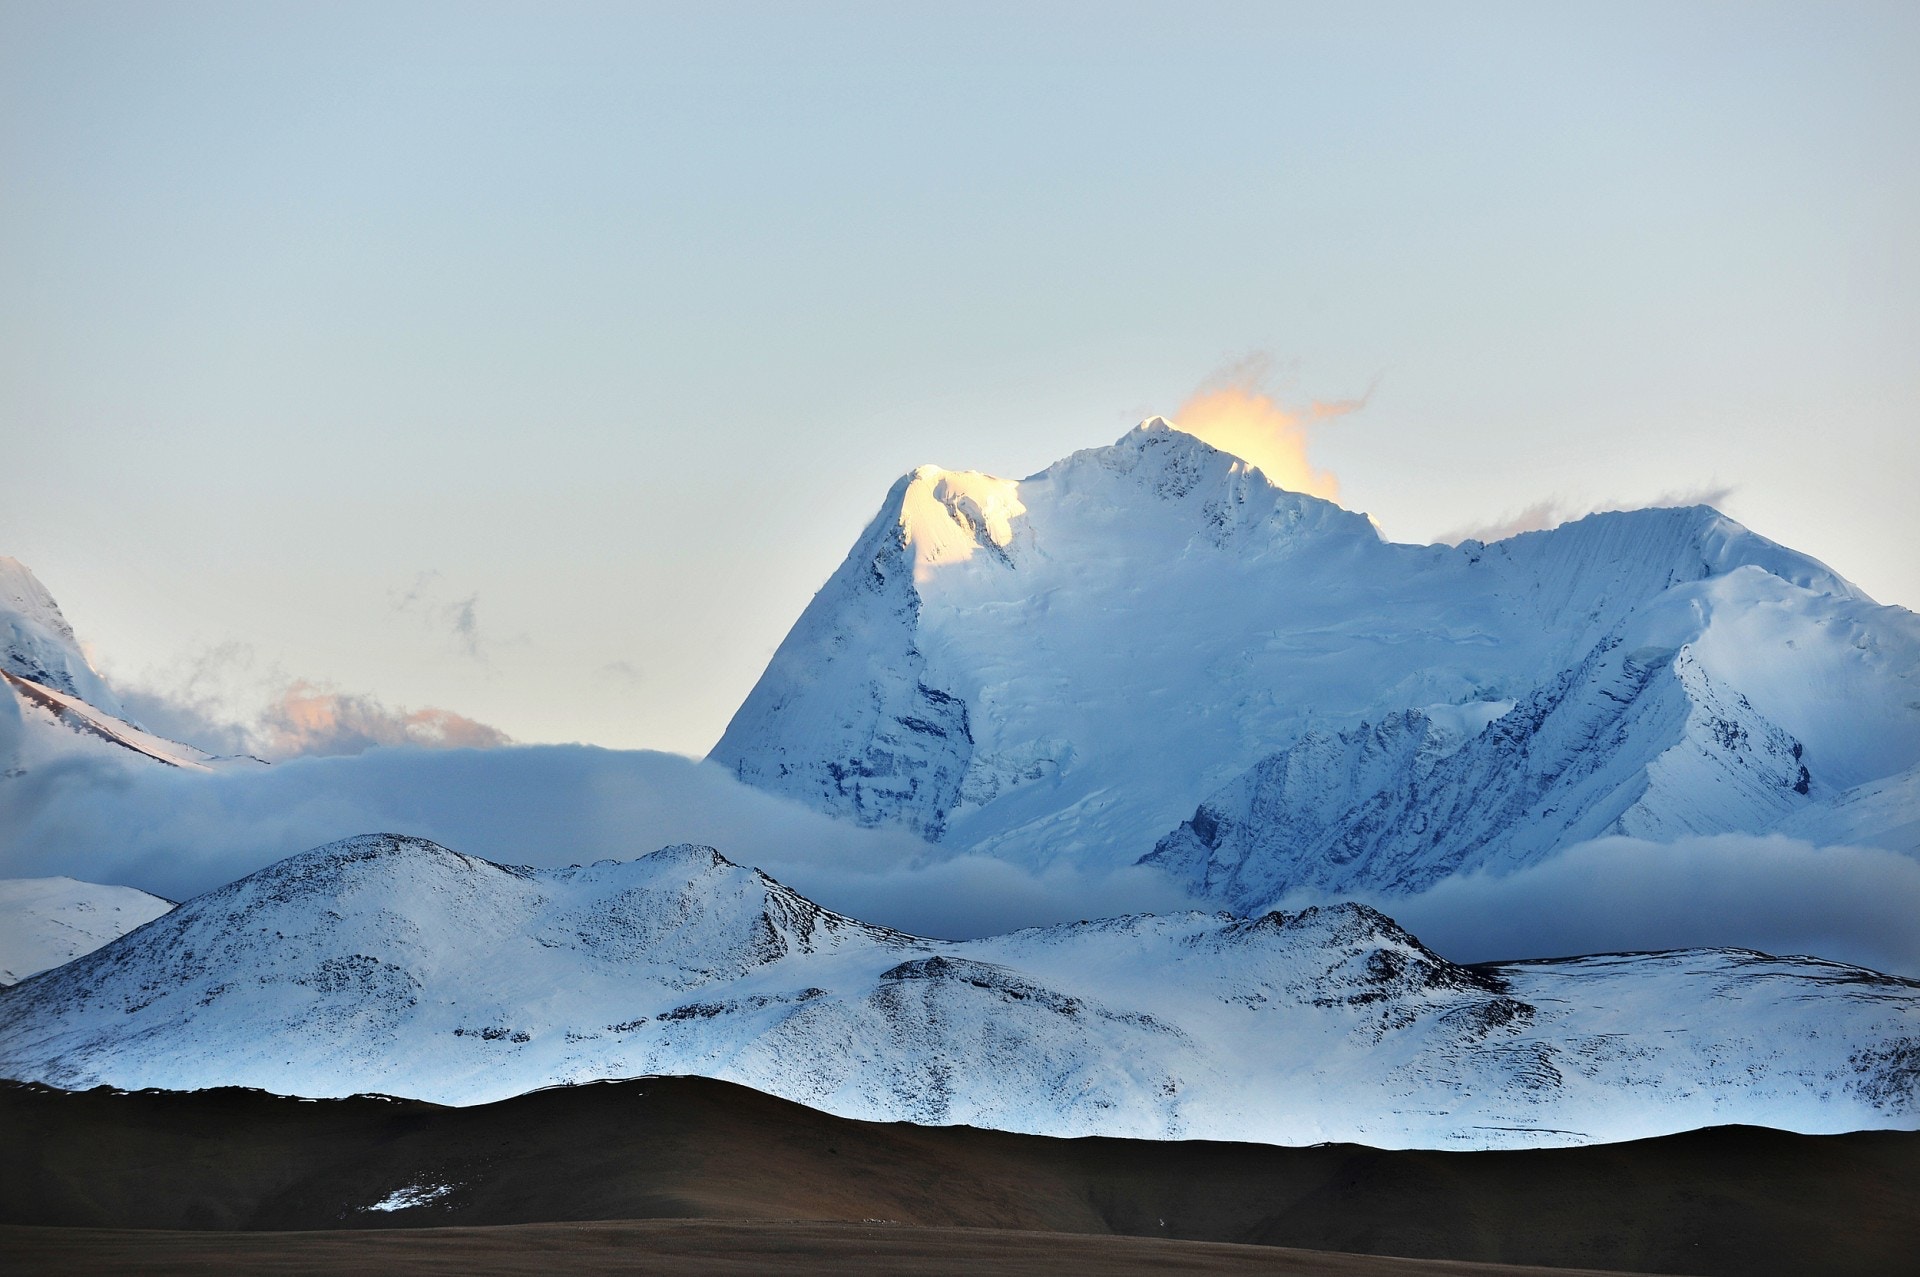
x: 1065, y: 666
x: 37, y: 644
x: 393, y: 964
x: 869, y: 739
x: 47, y: 921
x: 1636, y: 740
x: 1881, y: 813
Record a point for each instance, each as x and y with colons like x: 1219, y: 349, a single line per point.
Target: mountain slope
x: 47, y: 921
x: 43, y: 724
x: 1637, y: 739
x: 54, y: 705
x: 1065, y: 667
x: 392, y: 964
x: 37, y: 644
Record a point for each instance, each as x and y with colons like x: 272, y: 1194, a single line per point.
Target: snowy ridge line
x: 392, y: 965
x: 78, y: 716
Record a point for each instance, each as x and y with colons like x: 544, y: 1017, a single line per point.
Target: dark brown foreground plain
x: 699, y: 1174
x: 695, y: 1248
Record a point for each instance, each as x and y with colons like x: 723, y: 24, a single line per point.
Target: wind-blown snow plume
x: 1235, y: 414
x: 1551, y: 512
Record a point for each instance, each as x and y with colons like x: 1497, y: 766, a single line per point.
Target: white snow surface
x: 1070, y: 666
x: 47, y: 921
x: 409, y: 1196
x: 390, y: 964
x: 39, y: 724
x: 37, y: 643
x: 54, y: 705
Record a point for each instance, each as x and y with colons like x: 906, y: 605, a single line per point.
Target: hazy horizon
x: 540, y: 367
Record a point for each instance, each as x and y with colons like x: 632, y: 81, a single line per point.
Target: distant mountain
x: 392, y: 964
x: 1149, y: 650
x: 47, y: 921
x: 54, y: 703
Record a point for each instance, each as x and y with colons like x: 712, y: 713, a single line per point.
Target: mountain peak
x: 1062, y: 667
x: 947, y: 517
x: 688, y: 855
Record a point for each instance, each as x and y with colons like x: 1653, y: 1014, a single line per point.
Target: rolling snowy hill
x: 47, y: 921
x: 391, y: 964
x: 1151, y: 637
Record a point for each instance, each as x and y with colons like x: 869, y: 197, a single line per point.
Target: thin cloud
x: 457, y: 618
x: 624, y: 672
x: 222, y: 701
x: 179, y: 834
x: 193, y: 700
x: 1713, y: 494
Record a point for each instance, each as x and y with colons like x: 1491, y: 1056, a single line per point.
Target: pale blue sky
x: 615, y: 322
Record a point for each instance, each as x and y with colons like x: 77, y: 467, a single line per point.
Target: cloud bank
x: 1776, y: 894
x: 178, y: 834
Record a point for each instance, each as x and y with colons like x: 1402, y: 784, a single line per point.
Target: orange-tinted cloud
x: 1235, y: 414
x: 311, y: 720
x: 222, y: 701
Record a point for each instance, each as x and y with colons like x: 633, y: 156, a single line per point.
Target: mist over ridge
x: 1798, y: 890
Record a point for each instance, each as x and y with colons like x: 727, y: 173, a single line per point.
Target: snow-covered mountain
x: 38, y: 645
x: 1638, y: 740
x: 47, y: 921
x: 54, y: 703
x: 1151, y: 637
x: 392, y: 964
